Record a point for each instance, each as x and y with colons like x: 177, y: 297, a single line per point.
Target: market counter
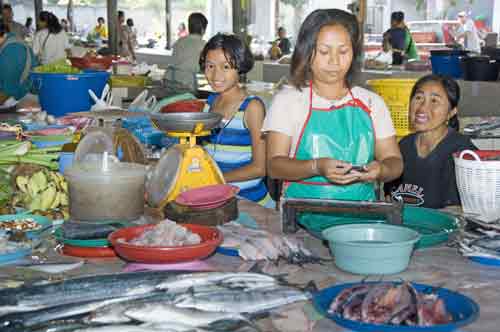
x: 441, y: 266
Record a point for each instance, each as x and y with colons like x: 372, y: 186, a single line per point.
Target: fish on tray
x: 484, y: 246
x: 96, y: 287
x: 256, y: 244
x: 397, y: 303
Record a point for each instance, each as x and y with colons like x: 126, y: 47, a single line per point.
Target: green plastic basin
x: 371, y: 248
x: 435, y: 227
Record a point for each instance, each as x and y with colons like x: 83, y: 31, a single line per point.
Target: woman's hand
x: 336, y: 171
x: 372, y: 174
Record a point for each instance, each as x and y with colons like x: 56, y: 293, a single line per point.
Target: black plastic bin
x: 480, y: 68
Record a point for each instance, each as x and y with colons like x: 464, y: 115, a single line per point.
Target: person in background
x: 125, y: 47
x: 132, y: 32
x: 400, y: 39
x: 428, y: 178
x: 29, y: 27
x: 467, y: 34
x: 238, y: 146
x: 181, y: 30
x: 14, y: 27
x: 65, y: 25
x: 186, y: 51
x: 51, y: 42
x: 16, y: 62
x: 100, y: 29
x: 325, y: 138
x: 283, y: 42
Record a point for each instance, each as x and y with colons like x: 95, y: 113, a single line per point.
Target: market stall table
x: 440, y: 266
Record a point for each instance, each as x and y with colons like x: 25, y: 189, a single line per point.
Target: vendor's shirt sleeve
x: 282, y: 116
x: 379, y: 112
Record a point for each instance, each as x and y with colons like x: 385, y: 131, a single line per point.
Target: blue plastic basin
x: 65, y: 93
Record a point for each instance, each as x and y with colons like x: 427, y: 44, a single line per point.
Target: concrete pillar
x: 112, y: 8
x: 264, y: 25
x: 38, y: 9
x: 168, y: 23
x: 495, y: 25
x: 219, y: 17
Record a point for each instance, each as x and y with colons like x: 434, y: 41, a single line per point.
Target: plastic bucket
x: 64, y: 93
x: 447, y: 62
x: 480, y: 68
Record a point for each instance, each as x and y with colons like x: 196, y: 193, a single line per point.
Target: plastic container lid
x: 95, y: 142
x: 163, y: 177
x: 94, y: 171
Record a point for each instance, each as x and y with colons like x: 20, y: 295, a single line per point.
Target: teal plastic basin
x: 371, y: 248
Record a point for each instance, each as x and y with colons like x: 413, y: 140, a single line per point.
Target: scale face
x: 186, y: 165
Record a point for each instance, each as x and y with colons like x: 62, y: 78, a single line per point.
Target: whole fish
x: 114, y: 313
x: 186, y: 281
x: 97, y: 287
x: 164, y: 313
x: 59, y: 327
x: 38, y: 317
x: 122, y: 328
x: 254, y: 301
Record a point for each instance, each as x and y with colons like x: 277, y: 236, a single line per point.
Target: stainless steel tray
x: 185, y: 122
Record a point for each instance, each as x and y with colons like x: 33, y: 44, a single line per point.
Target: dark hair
x: 197, y: 23
x: 100, y: 19
x: 4, y: 29
x: 235, y: 50
x: 7, y: 6
x: 451, y: 88
x: 397, y: 17
x: 53, y: 24
x: 121, y: 13
x: 305, y: 49
x: 130, y: 22
x: 281, y: 29
x: 29, y: 21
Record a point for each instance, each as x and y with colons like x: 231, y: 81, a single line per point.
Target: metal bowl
x: 185, y: 122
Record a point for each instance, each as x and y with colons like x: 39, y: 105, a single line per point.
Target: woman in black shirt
x: 428, y: 177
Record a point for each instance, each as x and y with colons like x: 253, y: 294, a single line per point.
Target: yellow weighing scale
x: 185, y: 165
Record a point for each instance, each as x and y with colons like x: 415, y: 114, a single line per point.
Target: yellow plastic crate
x: 128, y: 81
x: 396, y: 94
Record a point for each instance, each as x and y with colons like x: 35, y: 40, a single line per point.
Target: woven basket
x: 478, y: 182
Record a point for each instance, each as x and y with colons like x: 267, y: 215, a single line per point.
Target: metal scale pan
x: 185, y: 122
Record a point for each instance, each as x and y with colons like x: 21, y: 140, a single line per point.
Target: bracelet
x: 315, y: 166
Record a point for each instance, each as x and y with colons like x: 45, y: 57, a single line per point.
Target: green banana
x: 22, y: 183
x: 57, y: 201
x: 48, y: 197
x: 36, y: 203
x: 64, y: 199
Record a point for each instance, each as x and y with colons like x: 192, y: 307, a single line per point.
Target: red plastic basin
x: 210, y: 236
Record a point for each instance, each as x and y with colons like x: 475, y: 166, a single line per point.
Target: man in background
x: 125, y: 47
x: 467, y: 34
x: 100, y: 29
x: 283, y: 42
x: 186, y: 51
x: 14, y: 27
